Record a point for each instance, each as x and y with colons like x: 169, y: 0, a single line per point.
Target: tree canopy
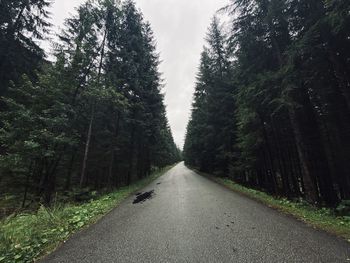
x: 271, y: 107
x: 94, y: 118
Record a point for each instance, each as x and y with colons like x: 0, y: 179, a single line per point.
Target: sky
x: 179, y: 27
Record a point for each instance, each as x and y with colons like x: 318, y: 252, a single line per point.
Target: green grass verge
x: 321, y: 218
x: 26, y: 237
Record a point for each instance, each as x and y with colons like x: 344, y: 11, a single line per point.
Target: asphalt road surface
x: 188, y: 218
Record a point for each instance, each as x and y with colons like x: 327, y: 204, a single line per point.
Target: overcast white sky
x: 179, y: 27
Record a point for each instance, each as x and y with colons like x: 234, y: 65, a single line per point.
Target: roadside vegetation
x: 27, y: 236
x: 322, y: 218
x: 327, y: 219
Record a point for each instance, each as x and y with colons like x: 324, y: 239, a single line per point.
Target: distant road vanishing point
x: 184, y: 217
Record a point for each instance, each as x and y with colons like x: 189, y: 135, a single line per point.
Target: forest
x: 271, y: 107
x: 89, y: 116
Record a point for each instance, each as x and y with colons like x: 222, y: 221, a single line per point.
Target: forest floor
x: 28, y: 236
x: 321, y: 218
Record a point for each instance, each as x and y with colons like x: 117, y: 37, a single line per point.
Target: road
x: 189, y: 218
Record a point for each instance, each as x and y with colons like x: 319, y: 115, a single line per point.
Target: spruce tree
x: 22, y: 23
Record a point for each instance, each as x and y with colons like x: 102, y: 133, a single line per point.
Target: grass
x: 321, y: 218
x: 27, y: 237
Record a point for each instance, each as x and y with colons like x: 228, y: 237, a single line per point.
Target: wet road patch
x: 142, y: 197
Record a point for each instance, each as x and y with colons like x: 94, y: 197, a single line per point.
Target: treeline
x: 272, y: 102
x: 94, y: 118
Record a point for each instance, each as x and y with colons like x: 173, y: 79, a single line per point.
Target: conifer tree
x: 22, y: 22
x: 291, y: 116
x: 95, y: 118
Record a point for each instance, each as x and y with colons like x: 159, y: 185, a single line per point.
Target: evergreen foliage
x: 277, y: 115
x: 22, y: 23
x: 93, y: 119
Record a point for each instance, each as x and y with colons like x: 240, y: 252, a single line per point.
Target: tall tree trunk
x: 311, y: 193
x: 310, y: 148
x: 50, y: 179
x: 131, y: 172
x: 307, y: 133
x: 112, y: 157
x: 69, y: 172
x: 87, y: 147
x: 92, y: 116
x: 272, y: 180
x: 26, y: 188
x: 110, y: 170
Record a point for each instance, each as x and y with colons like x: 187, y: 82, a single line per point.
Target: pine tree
x: 21, y: 24
x: 93, y: 119
x: 290, y: 102
x: 213, y: 107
